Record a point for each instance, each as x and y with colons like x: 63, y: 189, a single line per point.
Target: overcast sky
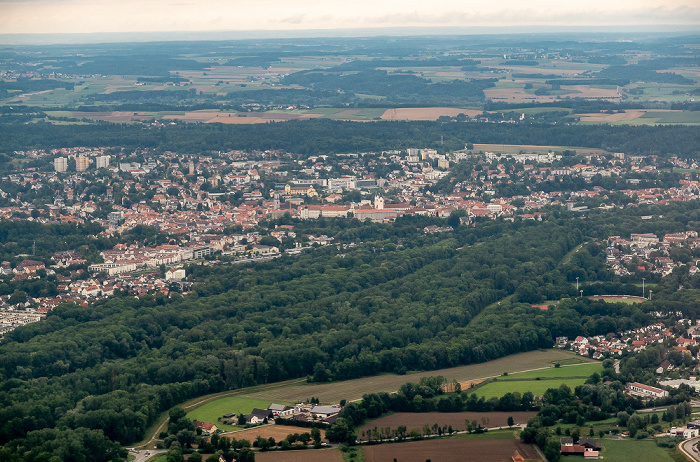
x: 90, y: 16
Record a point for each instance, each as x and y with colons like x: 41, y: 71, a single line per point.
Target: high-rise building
x: 82, y: 163
x: 60, y: 164
x: 102, y: 162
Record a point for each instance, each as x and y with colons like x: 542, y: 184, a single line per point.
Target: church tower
x: 378, y: 202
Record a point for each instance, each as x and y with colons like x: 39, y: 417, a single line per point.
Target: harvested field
x: 426, y: 113
x: 316, y: 455
x: 354, y: 389
x: 197, y: 116
x: 616, y: 117
x: 418, y: 420
x: 448, y: 450
x: 278, y: 432
x: 588, y: 91
x: 469, y: 383
x: 115, y: 116
x: 579, y: 91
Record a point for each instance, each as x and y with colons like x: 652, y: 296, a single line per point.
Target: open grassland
x: 447, y: 450
x: 316, y: 455
x: 457, y: 420
x: 630, y: 451
x: 211, y: 412
x: 536, y: 387
x: 582, y: 370
x: 278, y: 432
x: 537, y: 382
x: 673, y: 117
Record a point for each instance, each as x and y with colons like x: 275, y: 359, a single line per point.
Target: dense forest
x: 399, y: 301
x: 328, y: 136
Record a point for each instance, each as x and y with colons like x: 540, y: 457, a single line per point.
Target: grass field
x: 211, y: 412
x: 584, y: 370
x: 619, y: 299
x: 675, y: 117
x: 536, y: 387
x: 538, y: 381
x: 630, y: 451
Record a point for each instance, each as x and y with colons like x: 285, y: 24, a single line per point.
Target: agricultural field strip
x: 299, y: 389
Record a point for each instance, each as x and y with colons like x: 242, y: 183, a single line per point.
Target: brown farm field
x: 426, y: 113
x: 278, y: 432
x: 579, y: 91
x: 418, y: 420
x: 449, y: 450
x: 628, y: 115
x: 316, y: 455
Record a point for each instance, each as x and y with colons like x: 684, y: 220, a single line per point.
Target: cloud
x: 69, y: 16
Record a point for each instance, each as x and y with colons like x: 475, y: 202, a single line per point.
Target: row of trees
x: 324, y: 136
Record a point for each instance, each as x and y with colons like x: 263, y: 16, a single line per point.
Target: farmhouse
x: 280, y: 410
x: 258, y: 416
x: 645, y: 391
x: 207, y: 428
x: 586, y: 447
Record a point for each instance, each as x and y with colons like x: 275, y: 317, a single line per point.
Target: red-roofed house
x: 207, y: 428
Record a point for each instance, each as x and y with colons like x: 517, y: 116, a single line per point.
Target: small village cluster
x: 612, y: 345
x: 300, y: 412
x: 647, y: 253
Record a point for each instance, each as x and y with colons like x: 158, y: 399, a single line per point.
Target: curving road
x: 688, y: 448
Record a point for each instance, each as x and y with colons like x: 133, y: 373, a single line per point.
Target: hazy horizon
x: 223, y: 35
x: 277, y: 18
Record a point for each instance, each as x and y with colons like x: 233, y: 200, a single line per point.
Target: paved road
x: 689, y: 449
x: 143, y: 456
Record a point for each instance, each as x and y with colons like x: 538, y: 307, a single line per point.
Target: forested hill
x: 328, y: 136
x: 116, y: 365
x: 399, y: 301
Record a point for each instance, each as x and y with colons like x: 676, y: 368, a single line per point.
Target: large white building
x: 102, y: 162
x: 645, y: 391
x: 60, y: 164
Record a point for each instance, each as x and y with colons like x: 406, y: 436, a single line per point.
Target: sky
x: 108, y: 16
